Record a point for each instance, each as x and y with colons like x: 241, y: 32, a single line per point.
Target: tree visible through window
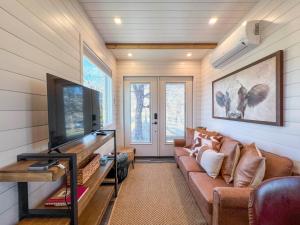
x: 96, y: 78
x: 140, y: 112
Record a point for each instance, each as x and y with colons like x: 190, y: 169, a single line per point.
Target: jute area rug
x: 155, y: 194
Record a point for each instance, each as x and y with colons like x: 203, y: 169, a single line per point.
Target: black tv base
x: 100, y: 133
x: 56, y: 150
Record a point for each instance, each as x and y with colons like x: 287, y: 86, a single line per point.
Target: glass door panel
x: 140, y: 106
x: 175, y: 101
x: 140, y: 118
x: 175, y: 111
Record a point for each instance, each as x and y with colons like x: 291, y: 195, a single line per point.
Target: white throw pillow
x: 207, y: 142
x: 211, y: 161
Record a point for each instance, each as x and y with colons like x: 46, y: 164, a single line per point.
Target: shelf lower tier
x: 92, y: 214
x: 45, y: 221
x: 93, y: 184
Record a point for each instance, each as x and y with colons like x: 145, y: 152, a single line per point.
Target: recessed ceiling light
x: 244, y: 23
x: 189, y: 54
x: 213, y: 20
x: 117, y: 20
x: 129, y: 54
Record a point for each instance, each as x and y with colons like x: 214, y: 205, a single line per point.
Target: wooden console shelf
x: 18, y: 172
x: 91, y: 207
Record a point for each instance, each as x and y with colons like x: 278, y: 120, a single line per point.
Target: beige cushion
x: 231, y: 150
x: 200, y: 151
x: 251, y: 168
x: 211, y: 162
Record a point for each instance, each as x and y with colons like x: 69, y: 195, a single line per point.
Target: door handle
x: 154, y: 122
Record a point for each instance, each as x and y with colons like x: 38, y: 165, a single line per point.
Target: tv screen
x: 73, y: 111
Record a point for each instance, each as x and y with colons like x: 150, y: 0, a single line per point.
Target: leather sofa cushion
x: 251, y: 168
x: 202, y: 187
x: 272, y: 162
x: 231, y: 149
x: 189, y: 164
x: 180, y: 151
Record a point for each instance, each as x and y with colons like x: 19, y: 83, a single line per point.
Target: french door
x: 156, y: 111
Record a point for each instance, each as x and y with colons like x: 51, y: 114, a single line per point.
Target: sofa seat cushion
x: 202, y: 187
x: 180, y: 151
x: 189, y: 164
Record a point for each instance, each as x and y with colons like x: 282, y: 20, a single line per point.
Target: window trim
x: 87, y: 51
x: 93, y: 57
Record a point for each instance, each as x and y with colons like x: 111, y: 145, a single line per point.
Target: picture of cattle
x: 249, y: 94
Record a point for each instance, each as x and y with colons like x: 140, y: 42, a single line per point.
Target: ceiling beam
x: 161, y: 45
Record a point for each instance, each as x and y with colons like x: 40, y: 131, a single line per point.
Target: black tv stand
x: 100, y: 132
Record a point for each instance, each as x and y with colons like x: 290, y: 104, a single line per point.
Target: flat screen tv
x: 73, y: 111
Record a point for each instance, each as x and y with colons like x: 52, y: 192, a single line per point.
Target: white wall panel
x: 280, y: 30
x: 37, y: 37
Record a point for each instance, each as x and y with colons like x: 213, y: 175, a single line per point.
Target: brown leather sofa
x: 219, y: 202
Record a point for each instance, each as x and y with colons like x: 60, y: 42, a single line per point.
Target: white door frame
x: 143, y: 149
x: 158, y: 145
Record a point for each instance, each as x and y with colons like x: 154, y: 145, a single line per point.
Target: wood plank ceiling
x: 165, y: 21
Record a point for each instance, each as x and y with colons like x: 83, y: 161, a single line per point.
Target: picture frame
x: 252, y: 94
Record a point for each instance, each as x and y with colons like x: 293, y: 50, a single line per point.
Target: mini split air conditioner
x: 242, y: 40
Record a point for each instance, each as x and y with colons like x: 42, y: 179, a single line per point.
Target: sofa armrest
x: 230, y: 205
x: 179, y: 142
x: 231, y: 197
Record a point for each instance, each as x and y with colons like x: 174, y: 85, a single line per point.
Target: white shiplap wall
x: 37, y: 37
x: 154, y: 68
x: 280, y: 30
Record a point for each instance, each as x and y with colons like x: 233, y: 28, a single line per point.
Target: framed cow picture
x: 253, y: 93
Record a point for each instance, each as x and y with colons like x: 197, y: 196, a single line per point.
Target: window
x: 97, y: 75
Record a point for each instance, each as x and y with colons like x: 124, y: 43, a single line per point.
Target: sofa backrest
x: 277, y: 166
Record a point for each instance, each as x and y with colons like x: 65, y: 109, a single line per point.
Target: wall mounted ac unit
x: 242, y: 40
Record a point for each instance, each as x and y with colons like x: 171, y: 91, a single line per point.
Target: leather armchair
x: 276, y: 202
